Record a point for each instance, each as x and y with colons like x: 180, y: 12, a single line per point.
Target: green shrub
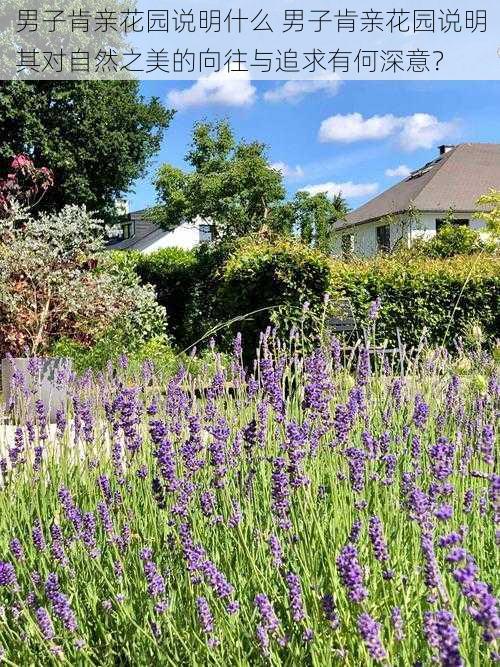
x: 281, y: 281
x: 58, y: 281
x: 453, y: 240
x: 262, y: 281
x: 436, y: 297
x: 185, y: 282
x: 172, y: 272
x: 420, y: 294
x: 110, y: 346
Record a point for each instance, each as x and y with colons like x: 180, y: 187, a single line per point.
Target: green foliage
x: 57, y: 282
x: 421, y: 295
x: 453, y: 240
x: 96, y: 136
x: 490, y: 203
x: 173, y: 272
x: 109, y: 347
x: 283, y: 280
x: 309, y: 218
x: 186, y: 282
x: 245, y: 287
x: 230, y: 183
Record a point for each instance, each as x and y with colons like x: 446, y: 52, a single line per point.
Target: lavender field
x: 320, y: 511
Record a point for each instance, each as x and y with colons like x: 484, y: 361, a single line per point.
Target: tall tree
x: 230, y: 182
x: 96, y: 136
x: 311, y: 218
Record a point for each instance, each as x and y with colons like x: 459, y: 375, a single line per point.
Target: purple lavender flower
x: 483, y: 606
x: 206, y: 620
x: 295, y: 596
x: 444, y: 512
x: 355, y: 531
x: 7, y: 574
x: 207, y: 503
x: 369, y: 630
x: 442, y: 455
x: 45, y: 623
x: 263, y: 639
x: 236, y: 517
x: 364, y: 367
x: 280, y: 493
x: 60, y: 603
x: 37, y: 535
x: 217, y: 449
x: 164, y: 454
x: 487, y: 444
x: 376, y: 535
x: 421, y: 412
x: 336, y: 354
x: 468, y: 500
x: 397, y: 623
x: 450, y: 540
x: 155, y: 581
x: 216, y: 579
x: 57, y: 545
x: 276, y: 551
x: 356, y: 459
x: 351, y: 573
x: 444, y: 636
x: 432, y: 574
x: 295, y: 448
x: 88, y: 534
x: 16, y: 549
x: 107, y: 522
x: 329, y: 611
x: 268, y: 617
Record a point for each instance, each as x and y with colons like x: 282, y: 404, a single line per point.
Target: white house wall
x: 185, y: 236
x: 365, y: 235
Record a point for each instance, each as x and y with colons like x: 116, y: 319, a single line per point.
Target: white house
x: 415, y: 207
x: 140, y: 234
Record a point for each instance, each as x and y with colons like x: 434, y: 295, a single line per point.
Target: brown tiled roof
x: 454, y: 180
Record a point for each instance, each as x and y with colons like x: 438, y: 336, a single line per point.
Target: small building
x: 417, y: 206
x: 138, y: 233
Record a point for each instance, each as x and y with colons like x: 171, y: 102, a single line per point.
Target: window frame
x: 207, y: 229
x: 383, y: 247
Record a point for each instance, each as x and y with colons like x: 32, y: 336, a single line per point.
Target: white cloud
x: 398, y: 172
x: 421, y: 130
x: 424, y: 131
x: 353, y: 127
x: 225, y: 88
x: 289, y: 171
x: 348, y: 189
x: 294, y: 91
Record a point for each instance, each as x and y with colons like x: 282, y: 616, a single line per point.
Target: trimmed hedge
x: 186, y: 282
x: 282, y: 282
x: 420, y: 294
x: 269, y: 281
x: 173, y: 272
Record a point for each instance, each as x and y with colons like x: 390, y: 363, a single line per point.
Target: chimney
x: 445, y: 148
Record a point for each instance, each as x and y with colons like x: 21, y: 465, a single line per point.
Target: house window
x: 128, y: 230
x: 458, y: 223
x: 347, y: 245
x: 206, y: 233
x: 383, y: 238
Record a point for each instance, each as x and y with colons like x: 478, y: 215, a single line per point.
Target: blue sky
x: 357, y: 136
